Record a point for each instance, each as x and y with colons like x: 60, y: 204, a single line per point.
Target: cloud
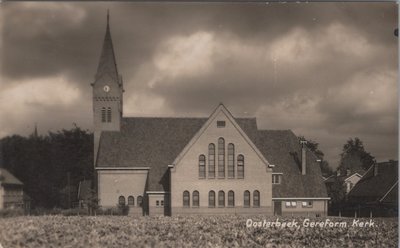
x: 32, y: 99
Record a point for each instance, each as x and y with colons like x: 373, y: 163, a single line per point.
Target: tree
x: 42, y: 163
x: 336, y: 190
x: 354, y: 157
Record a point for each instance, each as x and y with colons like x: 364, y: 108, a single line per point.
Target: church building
x: 220, y: 164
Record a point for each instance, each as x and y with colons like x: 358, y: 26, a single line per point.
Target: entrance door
x: 277, y: 208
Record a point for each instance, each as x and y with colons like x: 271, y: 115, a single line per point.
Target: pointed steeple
x: 107, y: 64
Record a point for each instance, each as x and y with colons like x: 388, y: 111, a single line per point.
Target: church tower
x: 107, y: 92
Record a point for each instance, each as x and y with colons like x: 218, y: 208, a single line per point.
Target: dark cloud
x: 326, y: 70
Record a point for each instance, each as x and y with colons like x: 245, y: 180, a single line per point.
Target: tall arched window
x: 103, y: 114
x: 131, y: 201
x: 121, y: 200
x: 140, y: 201
x: 186, y: 199
x: 256, y: 198
x: 196, y: 200
x: 221, y: 158
x: 211, y: 160
x: 211, y: 199
x: 231, y: 198
x: 246, y: 199
x: 231, y: 160
x: 108, y: 114
x: 202, y: 166
x: 240, y: 166
x: 221, y: 198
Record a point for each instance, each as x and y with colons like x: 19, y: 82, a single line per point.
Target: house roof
x: 6, y: 178
x: 282, y: 148
x: 156, y: 142
x: 372, y: 188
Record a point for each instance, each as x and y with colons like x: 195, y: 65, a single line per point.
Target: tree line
x: 50, y: 166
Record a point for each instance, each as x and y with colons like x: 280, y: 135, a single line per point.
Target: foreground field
x: 194, y: 231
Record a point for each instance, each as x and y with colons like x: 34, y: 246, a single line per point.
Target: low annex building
x: 218, y: 164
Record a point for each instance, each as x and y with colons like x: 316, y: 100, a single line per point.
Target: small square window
x: 220, y: 124
x: 162, y: 203
x: 287, y: 204
x: 294, y: 204
x: 157, y: 203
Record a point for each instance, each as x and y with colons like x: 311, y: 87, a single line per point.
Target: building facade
x: 219, y: 164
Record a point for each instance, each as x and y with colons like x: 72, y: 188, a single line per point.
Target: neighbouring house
x: 85, y: 193
x: 220, y: 164
x: 11, y: 192
x: 376, y: 194
x: 350, y: 179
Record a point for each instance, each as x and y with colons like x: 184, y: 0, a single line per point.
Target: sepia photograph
x: 199, y: 124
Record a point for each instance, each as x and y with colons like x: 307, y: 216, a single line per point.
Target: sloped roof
x: 372, y: 188
x: 282, y: 148
x: 107, y: 64
x: 156, y: 142
x: 85, y: 190
x: 6, y: 178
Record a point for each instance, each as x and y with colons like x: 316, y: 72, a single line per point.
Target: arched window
x: 108, y: 114
x: 131, y: 201
x: 202, y: 166
x: 221, y: 198
x: 240, y: 166
x: 246, y: 199
x: 231, y: 160
x: 256, y: 198
x: 221, y: 158
x: 186, y: 199
x: 231, y: 198
x: 211, y: 199
x: 121, y: 200
x: 140, y: 201
x: 211, y: 160
x: 196, y: 198
x: 103, y: 114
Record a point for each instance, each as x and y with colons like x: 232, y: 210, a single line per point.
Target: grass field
x: 193, y: 231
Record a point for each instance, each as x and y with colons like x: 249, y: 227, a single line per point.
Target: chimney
x: 375, y: 169
x: 303, y: 156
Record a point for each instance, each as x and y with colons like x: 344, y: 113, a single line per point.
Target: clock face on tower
x: 106, y: 88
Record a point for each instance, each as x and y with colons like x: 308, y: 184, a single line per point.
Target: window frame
x: 256, y: 199
x: 221, y: 199
x: 196, y: 199
x: 221, y: 157
x: 211, y: 199
x: 211, y: 160
x: 240, y: 166
x: 231, y: 198
x: 131, y: 199
x: 231, y: 160
x: 121, y: 200
x: 246, y: 202
x: 186, y: 199
x: 202, y: 166
x: 103, y: 115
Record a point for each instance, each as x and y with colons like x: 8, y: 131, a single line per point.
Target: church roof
x: 156, y: 142
x: 282, y: 149
x: 107, y: 64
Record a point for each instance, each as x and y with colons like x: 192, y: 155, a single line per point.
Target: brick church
x: 220, y: 164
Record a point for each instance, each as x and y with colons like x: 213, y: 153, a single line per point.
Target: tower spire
x: 107, y: 64
x: 108, y: 17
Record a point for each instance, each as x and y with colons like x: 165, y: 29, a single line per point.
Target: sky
x: 327, y: 71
